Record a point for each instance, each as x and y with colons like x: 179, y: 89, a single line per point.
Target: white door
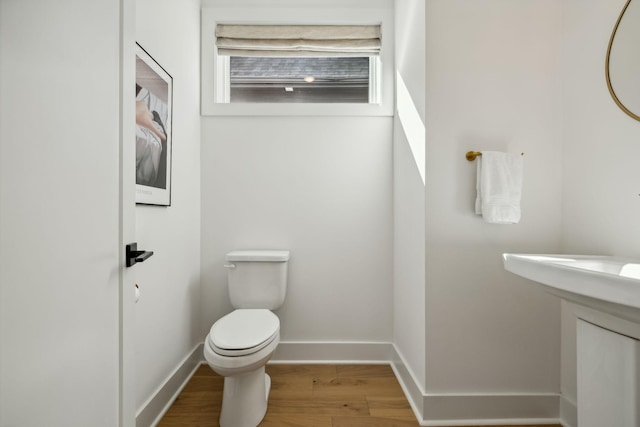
x: 64, y: 214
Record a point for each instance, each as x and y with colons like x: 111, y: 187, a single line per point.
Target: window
x: 303, y: 69
x: 298, y: 63
x: 301, y: 79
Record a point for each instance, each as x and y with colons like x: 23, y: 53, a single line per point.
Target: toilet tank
x: 257, y: 278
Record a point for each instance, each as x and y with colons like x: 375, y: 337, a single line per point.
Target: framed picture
x: 154, y: 89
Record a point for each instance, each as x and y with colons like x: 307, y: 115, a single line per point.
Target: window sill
x: 283, y: 109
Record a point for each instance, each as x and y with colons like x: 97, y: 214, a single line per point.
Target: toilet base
x: 244, y: 399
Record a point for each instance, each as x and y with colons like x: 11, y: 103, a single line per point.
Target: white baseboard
x: 477, y: 409
x: 332, y: 352
x: 491, y: 409
x: 568, y: 412
x: 153, y: 410
x: 407, y: 380
x: 447, y: 409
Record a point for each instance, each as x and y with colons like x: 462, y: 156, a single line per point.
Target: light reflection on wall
x: 411, y: 123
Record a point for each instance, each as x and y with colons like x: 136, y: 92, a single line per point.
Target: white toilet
x: 240, y: 343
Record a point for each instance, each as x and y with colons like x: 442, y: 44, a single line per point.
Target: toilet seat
x: 243, y: 332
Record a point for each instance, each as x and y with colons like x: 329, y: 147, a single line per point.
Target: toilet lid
x: 244, y: 329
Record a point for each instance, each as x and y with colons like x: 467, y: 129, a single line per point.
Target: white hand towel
x: 499, y: 187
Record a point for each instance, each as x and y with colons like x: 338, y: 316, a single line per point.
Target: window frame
x: 223, y: 81
x: 214, y: 88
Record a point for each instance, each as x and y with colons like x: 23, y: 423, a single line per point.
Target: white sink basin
x: 603, y: 282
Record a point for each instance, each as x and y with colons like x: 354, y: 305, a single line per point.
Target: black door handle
x: 133, y: 255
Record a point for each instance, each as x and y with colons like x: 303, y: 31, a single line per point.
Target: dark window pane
x: 296, y: 79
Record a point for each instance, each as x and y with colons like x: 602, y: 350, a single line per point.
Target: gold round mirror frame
x: 611, y: 91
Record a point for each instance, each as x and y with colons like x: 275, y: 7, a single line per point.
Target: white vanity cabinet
x: 608, y: 377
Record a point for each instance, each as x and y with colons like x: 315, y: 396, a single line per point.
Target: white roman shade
x: 298, y: 40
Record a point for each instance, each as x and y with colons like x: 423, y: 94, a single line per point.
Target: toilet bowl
x: 240, y: 343
x: 238, y: 348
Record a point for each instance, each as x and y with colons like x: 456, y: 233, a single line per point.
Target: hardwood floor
x: 305, y: 396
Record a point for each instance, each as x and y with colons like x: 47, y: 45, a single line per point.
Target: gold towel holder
x: 471, y: 155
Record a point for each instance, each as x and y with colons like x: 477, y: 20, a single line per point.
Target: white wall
x: 492, y: 84
x: 601, y: 142
x: 168, y: 314
x: 59, y: 204
x: 409, y: 195
x: 320, y: 187
x: 601, y: 190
